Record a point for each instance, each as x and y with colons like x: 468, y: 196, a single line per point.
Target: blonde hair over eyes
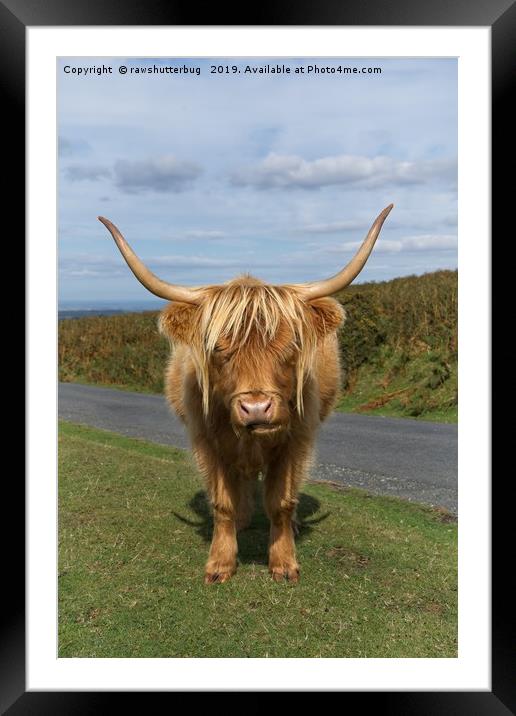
x: 246, y: 310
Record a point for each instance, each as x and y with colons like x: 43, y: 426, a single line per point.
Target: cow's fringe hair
x: 244, y: 310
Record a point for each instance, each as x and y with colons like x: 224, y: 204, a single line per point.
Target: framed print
x: 45, y: 50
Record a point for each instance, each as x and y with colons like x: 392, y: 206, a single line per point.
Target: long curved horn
x: 151, y: 282
x: 318, y: 289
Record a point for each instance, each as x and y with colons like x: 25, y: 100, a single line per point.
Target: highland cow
x: 254, y: 369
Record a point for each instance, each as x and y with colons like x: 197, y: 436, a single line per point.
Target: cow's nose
x: 254, y: 412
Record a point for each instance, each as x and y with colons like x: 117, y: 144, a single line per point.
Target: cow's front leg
x: 222, y: 490
x: 222, y: 562
x: 222, y: 559
x: 281, y: 488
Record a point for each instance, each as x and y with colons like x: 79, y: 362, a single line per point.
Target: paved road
x: 411, y: 459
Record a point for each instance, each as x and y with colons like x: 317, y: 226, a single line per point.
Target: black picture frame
x: 15, y: 17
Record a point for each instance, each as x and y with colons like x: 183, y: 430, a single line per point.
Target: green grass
x: 398, y: 348
x: 378, y: 575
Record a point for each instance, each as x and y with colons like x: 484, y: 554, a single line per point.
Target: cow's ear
x: 177, y: 321
x: 327, y: 314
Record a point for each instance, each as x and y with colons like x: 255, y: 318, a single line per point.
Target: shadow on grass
x: 253, y: 542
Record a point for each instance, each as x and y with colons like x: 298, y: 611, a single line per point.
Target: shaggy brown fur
x: 252, y: 349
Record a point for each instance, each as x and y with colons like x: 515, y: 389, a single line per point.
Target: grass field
x: 398, y: 347
x: 378, y: 575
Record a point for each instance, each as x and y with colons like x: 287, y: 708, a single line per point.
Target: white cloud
x: 382, y: 246
x: 68, y: 147
x: 425, y: 242
x: 162, y: 174
x: 332, y: 228
x: 406, y: 222
x: 82, y: 265
x: 430, y: 242
x: 204, y: 234
x: 288, y: 171
x: 169, y: 262
x: 81, y: 172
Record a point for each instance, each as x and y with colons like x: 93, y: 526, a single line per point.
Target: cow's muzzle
x: 255, y: 412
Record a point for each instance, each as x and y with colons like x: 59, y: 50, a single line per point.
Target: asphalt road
x: 412, y: 459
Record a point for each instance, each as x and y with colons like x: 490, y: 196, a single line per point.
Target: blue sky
x: 211, y: 175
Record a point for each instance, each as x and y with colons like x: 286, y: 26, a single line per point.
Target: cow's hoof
x: 217, y: 573
x: 217, y: 577
x: 279, y: 574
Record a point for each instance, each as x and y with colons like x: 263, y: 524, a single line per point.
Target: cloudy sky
x: 279, y: 175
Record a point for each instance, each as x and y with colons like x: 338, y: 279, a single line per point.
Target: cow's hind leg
x: 246, y: 494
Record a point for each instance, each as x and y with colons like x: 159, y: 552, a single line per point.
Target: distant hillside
x: 399, y: 347
x: 398, y: 344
